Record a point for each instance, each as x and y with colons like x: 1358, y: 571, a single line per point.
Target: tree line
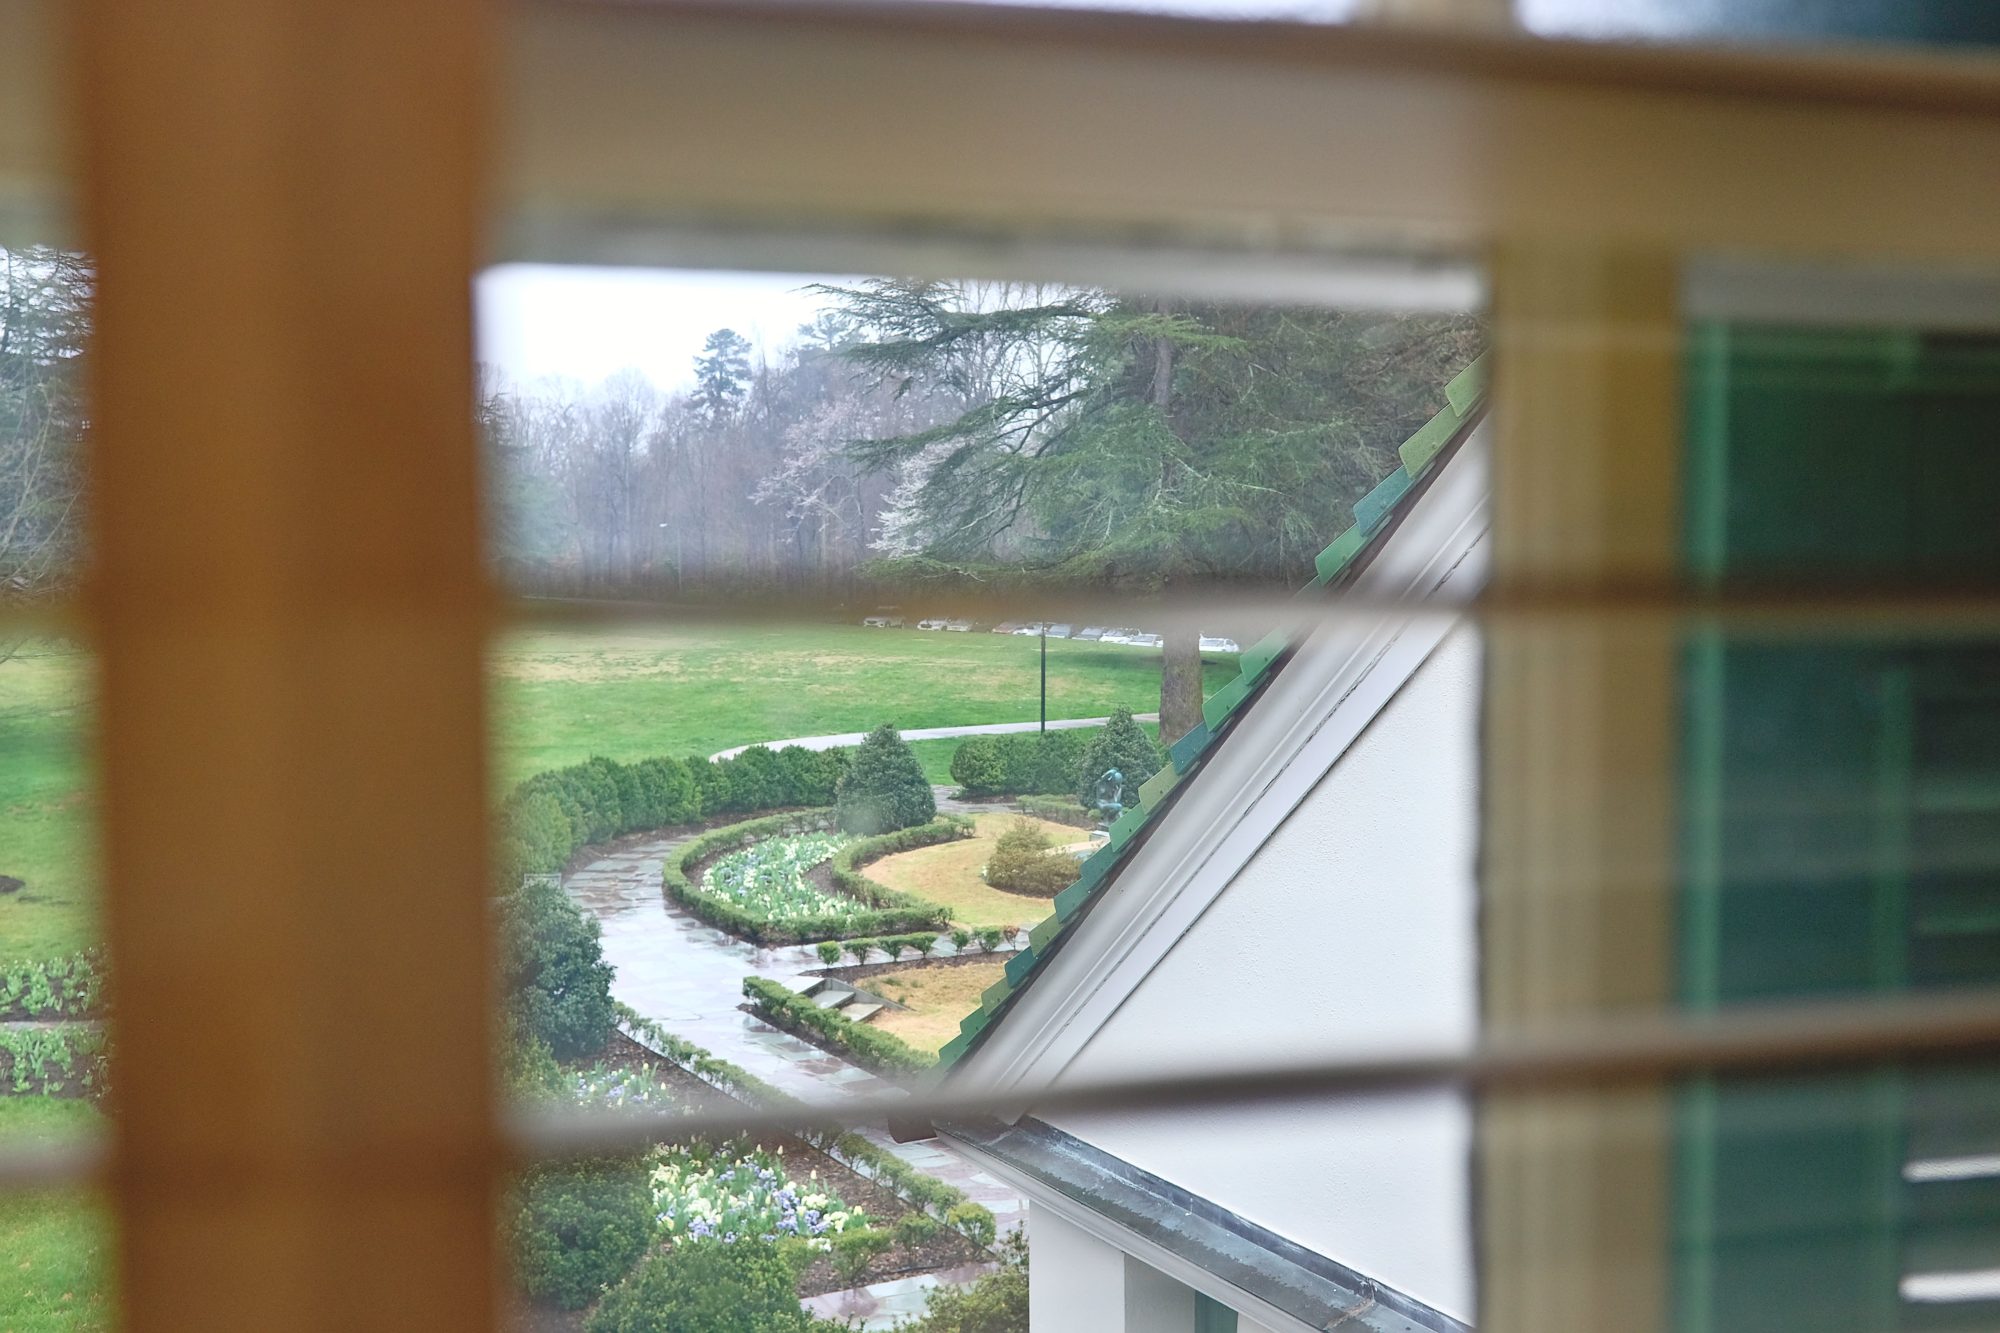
x: 936, y: 435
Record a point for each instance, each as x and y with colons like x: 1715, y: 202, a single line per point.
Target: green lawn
x: 563, y: 695
x: 44, y: 803
x: 53, y: 1247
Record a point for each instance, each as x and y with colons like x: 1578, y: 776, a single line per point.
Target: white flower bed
x: 769, y: 879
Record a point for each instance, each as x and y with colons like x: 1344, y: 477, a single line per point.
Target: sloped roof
x: 1374, y: 515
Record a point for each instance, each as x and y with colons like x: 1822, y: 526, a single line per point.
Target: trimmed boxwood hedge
x: 549, y: 816
x: 1059, y: 810
x: 941, y: 1200
x: 871, y: 1048
x: 1042, y: 762
x: 893, y: 912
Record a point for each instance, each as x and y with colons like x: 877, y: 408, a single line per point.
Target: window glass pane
x: 802, y: 565
x: 1841, y: 823
x: 52, y: 976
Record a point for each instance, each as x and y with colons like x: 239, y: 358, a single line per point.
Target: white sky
x: 543, y: 321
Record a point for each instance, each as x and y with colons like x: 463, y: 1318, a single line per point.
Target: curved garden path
x: 928, y: 734
x: 687, y: 976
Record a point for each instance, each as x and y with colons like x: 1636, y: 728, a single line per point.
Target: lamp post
x: 1045, y: 677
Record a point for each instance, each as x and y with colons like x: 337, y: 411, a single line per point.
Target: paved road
x: 929, y: 734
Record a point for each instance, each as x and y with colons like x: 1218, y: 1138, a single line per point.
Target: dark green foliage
x: 711, y: 785
x: 893, y: 911
x: 579, y: 1227
x: 829, y: 952
x: 553, y: 970
x: 914, y: 1229
x: 854, y: 1250
x: 1022, y: 862
x: 996, y: 1303
x: 869, y: 1047
x: 706, y: 1287
x: 991, y: 938
x: 1124, y: 745
x: 1037, y: 762
x: 1059, y: 810
x: 884, y: 787
x: 975, y: 1221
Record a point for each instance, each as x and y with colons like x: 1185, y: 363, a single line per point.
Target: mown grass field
x: 45, y: 802
x: 54, y: 1248
x: 560, y: 696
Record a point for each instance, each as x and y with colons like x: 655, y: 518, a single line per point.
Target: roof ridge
x: 1465, y: 402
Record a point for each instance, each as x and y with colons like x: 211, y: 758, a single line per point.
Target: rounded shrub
x: 706, y: 1287
x: 884, y: 787
x: 558, y: 985
x: 1022, y: 862
x: 976, y: 765
x: 1124, y: 745
x: 579, y: 1228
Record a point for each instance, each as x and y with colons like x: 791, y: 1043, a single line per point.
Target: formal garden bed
x: 579, y: 1230
x: 71, y: 986
x: 790, y: 879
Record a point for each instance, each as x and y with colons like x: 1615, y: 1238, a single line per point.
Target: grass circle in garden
x: 769, y: 879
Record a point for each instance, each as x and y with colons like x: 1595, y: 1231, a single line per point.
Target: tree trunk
x: 1180, y: 684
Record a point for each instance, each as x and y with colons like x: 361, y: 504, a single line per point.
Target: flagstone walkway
x: 687, y: 976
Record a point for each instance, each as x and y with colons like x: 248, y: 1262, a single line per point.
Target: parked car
x: 1146, y: 641
x: 932, y: 623
x: 880, y: 621
x: 1211, y: 645
x: 1059, y: 631
x: 959, y: 626
x: 1121, y: 635
x: 1035, y: 629
x: 1013, y: 627
x: 1089, y: 634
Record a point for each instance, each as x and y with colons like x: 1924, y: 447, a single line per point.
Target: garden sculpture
x: 1110, y: 796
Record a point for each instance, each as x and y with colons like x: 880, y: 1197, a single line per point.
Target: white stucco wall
x: 1083, y: 1285
x: 1352, y: 928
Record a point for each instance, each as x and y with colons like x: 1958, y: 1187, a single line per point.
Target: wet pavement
x: 687, y: 976
x: 884, y: 1305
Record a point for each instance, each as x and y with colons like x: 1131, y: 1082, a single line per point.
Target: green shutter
x: 1840, y: 817
x: 1212, y: 1316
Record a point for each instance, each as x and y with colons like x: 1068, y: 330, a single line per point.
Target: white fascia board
x: 1339, y: 680
x: 1151, y: 1253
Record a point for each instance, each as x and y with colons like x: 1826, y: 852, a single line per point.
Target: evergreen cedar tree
x: 884, y: 787
x: 1124, y: 745
x: 1134, y: 443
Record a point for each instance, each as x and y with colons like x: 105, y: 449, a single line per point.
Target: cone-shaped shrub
x: 1124, y: 745
x: 884, y: 787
